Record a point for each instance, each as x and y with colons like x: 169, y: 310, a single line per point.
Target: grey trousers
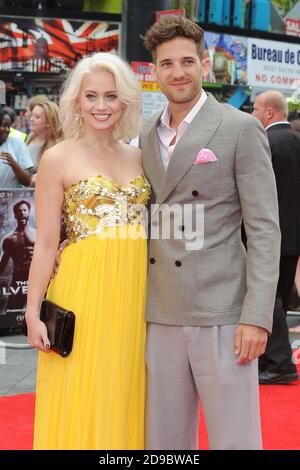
x: 189, y: 364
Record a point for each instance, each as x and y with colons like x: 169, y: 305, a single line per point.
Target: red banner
x: 52, y: 45
x: 292, y: 27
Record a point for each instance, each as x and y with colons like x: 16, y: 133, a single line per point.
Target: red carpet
x: 16, y: 422
x: 280, y: 413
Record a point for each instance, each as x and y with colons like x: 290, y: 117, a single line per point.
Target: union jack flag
x: 53, y: 44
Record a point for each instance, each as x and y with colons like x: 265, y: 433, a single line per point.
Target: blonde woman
x: 94, y: 398
x: 44, y: 129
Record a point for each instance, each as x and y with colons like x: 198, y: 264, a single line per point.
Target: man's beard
x: 23, y: 221
x: 182, y: 99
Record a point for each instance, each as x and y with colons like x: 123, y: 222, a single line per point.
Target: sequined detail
x: 97, y: 202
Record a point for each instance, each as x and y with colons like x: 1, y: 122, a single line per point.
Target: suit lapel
x: 152, y: 162
x: 198, y: 135
x: 157, y: 165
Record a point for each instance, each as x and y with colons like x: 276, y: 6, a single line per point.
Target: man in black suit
x: 276, y: 365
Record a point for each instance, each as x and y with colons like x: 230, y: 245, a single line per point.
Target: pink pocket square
x: 205, y: 156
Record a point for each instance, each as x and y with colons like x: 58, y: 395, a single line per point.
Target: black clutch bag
x: 60, y: 325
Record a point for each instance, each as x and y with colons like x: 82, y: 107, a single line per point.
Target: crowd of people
x: 20, y: 153
x: 209, y: 308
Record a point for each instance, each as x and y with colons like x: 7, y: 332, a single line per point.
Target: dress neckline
x: 110, y: 180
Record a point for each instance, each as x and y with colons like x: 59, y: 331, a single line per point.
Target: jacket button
x: 195, y: 193
x: 181, y: 227
x: 152, y: 260
x: 178, y: 263
x: 154, y: 223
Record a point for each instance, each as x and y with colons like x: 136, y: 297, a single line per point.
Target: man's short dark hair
x: 171, y: 27
x: 18, y: 204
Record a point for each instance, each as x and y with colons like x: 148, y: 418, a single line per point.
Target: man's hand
x: 62, y: 246
x: 250, y: 342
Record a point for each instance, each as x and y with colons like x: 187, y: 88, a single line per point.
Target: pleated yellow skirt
x: 95, y: 398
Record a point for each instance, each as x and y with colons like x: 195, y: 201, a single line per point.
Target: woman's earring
x: 78, y: 122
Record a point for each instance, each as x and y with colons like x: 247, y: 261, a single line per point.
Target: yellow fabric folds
x: 94, y: 399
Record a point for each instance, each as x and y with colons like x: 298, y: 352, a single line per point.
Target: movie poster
x: 17, y: 237
x: 52, y: 45
x: 228, y: 57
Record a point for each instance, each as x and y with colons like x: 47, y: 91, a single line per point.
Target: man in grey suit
x: 210, y: 305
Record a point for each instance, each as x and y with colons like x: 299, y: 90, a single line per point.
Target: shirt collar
x: 165, y: 117
x: 275, y: 124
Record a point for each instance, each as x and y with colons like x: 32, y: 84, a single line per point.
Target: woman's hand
x: 37, y: 333
x: 22, y: 175
x: 8, y: 158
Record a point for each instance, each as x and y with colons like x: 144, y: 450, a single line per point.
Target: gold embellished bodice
x: 95, y: 203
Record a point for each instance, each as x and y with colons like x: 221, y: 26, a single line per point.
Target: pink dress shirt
x: 166, y: 134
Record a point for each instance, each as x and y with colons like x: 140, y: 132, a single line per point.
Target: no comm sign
x: 273, y: 64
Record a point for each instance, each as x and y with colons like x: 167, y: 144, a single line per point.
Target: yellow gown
x: 95, y: 398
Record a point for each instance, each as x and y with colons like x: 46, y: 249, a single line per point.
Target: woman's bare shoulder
x: 60, y: 152
x: 61, y: 148
x: 132, y: 151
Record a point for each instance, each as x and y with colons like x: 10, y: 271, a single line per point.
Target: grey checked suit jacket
x: 219, y: 283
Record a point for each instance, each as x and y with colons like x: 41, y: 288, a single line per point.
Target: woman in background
x: 44, y: 128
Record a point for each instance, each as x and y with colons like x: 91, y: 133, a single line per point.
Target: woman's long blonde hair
x: 54, y: 132
x: 128, y: 89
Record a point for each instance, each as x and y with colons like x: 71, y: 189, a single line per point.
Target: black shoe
x: 269, y: 378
